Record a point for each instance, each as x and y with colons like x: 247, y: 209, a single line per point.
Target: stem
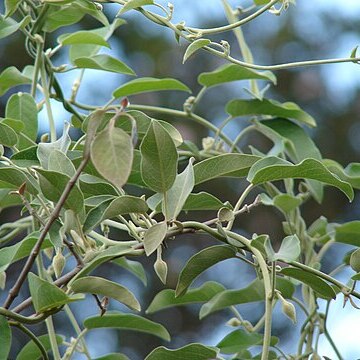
x: 37, y: 65
x: 14, y: 291
x: 47, y: 101
x: 328, y: 336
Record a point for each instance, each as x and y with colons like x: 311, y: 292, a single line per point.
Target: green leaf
x: 202, y: 201
x: 53, y: 183
x: 103, y: 62
x: 64, y: 16
x: 127, y: 322
x: 322, y: 288
x: 11, y: 6
x: 348, y: 233
x: 82, y: 37
x: 113, y: 356
x: 9, y: 26
x: 8, y: 136
x: 195, y: 46
x: 200, y: 262
x: 158, y: 158
x: 154, y: 237
x: 252, y: 293
x: 189, y: 352
x: 147, y: 84
x: 272, y: 169
x: 11, y: 178
x: 166, y: 298
x: 46, y: 296
x: 231, y: 165
x: 289, y: 110
x: 22, y: 106
x: 26, y: 158
x: 233, y: 72
x: 135, y: 267
x: 5, y: 338
x: 11, y: 77
x: 31, y: 351
x: 177, y: 195
x: 59, y: 162
x: 286, y: 202
x: 350, y: 174
x: 298, y: 145
x: 45, y: 149
x: 133, y: 4
x: 91, y: 185
x: 240, y: 340
x: 94, y: 201
x: 122, y: 205
x: 112, y: 155
x: 103, y: 287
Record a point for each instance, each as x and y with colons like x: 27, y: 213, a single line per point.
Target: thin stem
x: 47, y: 101
x: 327, y: 334
x: 33, y: 337
x: 235, y: 24
x: 241, y: 135
x: 37, y: 65
x: 14, y: 291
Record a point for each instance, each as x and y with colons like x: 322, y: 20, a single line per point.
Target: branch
x: 14, y: 291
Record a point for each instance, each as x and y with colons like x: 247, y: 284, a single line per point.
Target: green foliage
x: 128, y: 184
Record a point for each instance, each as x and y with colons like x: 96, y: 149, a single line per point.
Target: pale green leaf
x: 113, y: 356
x: 11, y: 77
x: 177, y: 195
x: 104, y: 287
x: 133, y: 4
x: 10, y: 7
x: 348, y: 233
x: 82, y: 37
x: 158, y: 158
x: 103, y: 62
x: 127, y: 322
x: 195, y: 46
x: 59, y: 162
x: 135, y: 267
x: 188, y: 352
x: 154, y: 237
x: 202, y: 201
x: 272, y: 169
x: 112, y: 155
x: 289, y: 110
x: 232, y: 72
x: 289, y: 249
x: 9, y: 26
x: 200, y: 262
x: 8, y: 136
x: 147, y: 84
x: 46, y: 296
x: 166, y: 298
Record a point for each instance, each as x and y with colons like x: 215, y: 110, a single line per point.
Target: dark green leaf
x: 104, y: 287
x: 53, y: 184
x: 188, y: 352
x: 233, y: 72
x: 195, y: 46
x: 31, y: 351
x: 103, y: 62
x: 166, y: 298
x: 252, y: 293
x: 240, y: 340
x: 46, y: 296
x: 348, y: 233
x: 322, y: 288
x: 289, y: 110
x: 26, y: 158
x: 11, y: 77
x: 272, y: 169
x: 232, y: 165
x: 5, y: 338
x: 158, y: 158
x: 10, y: 7
x: 147, y: 84
x: 8, y: 136
x: 12, y: 178
x: 200, y: 262
x: 127, y: 322
x: 92, y: 185
x: 202, y: 201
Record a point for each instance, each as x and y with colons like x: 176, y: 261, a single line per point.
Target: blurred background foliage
x: 311, y: 30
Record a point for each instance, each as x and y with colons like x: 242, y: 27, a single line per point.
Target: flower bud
x: 248, y: 326
x: 234, y: 322
x: 208, y: 143
x: 58, y: 264
x: 161, y: 269
x: 288, y: 309
x: 44, y: 137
